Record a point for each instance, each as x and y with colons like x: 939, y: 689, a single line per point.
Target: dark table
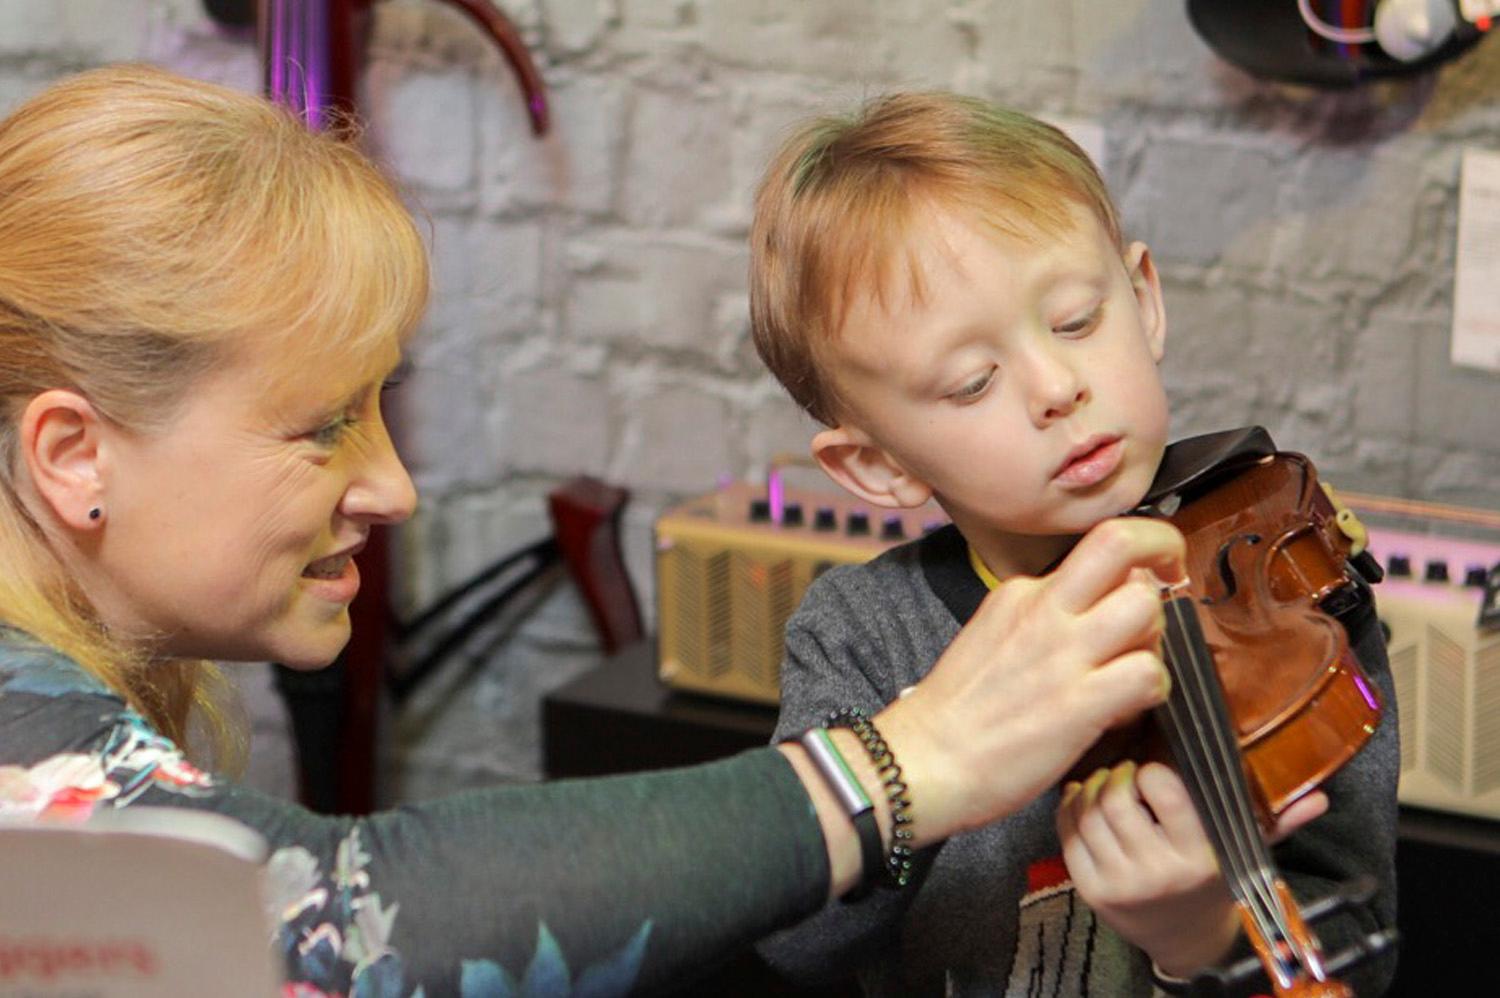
x: 619, y: 718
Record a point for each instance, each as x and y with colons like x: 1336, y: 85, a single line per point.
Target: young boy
x: 944, y: 284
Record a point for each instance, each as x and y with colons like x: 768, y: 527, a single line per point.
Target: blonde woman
x: 200, y: 301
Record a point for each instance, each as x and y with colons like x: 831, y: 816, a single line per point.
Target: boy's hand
x: 1138, y: 855
x: 1045, y: 666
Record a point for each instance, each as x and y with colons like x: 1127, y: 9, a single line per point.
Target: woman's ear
x: 1147, y: 285
x: 61, y: 446
x: 852, y: 459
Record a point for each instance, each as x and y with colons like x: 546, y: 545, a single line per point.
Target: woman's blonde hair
x: 842, y: 195
x: 148, y: 224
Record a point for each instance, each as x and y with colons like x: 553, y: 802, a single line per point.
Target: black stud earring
x: 95, y: 513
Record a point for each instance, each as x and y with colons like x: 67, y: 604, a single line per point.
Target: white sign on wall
x: 1476, y: 267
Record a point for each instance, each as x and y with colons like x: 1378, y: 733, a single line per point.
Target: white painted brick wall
x: 590, y: 286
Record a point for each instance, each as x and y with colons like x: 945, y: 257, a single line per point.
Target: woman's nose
x: 383, y: 491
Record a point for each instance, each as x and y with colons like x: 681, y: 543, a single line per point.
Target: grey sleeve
x: 836, y: 658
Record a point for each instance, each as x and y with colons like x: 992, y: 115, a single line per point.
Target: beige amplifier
x: 731, y: 566
x: 1445, y: 665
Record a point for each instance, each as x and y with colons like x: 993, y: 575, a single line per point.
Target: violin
x: 1268, y: 699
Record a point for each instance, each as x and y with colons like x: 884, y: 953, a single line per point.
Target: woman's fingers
x: 1130, y: 618
x: 1108, y: 554
x: 1043, y: 668
x: 1120, y: 689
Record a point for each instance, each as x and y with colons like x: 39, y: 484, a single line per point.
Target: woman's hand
x: 1045, y: 666
x: 1138, y: 855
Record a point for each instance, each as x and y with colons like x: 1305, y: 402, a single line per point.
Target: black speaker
x: 1281, y: 39
x: 232, y: 13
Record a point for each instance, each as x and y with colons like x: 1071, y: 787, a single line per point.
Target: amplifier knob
x: 1437, y: 571
x: 791, y: 516
x: 892, y: 529
x: 824, y: 519
x: 1475, y: 576
x: 1399, y: 566
x: 760, y: 510
x: 858, y: 523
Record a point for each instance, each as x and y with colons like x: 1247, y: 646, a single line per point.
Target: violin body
x: 1264, y: 553
x: 1267, y: 697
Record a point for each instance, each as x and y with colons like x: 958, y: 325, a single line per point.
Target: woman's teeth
x: 327, y: 568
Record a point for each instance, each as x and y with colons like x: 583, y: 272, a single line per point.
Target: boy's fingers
x: 1163, y: 791
x: 1314, y: 805
x: 1081, y: 866
x: 1107, y: 554
x: 1123, y: 812
x: 1091, y: 833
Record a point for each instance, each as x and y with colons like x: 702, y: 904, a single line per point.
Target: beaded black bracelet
x: 898, y: 863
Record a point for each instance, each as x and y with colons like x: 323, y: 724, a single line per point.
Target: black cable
x: 546, y: 555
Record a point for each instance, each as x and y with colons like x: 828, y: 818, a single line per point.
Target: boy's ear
x: 852, y: 460
x: 1148, y: 298
x: 61, y: 446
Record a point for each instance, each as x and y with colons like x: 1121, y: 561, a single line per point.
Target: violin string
x: 1231, y: 841
x: 1224, y: 763
x: 1262, y: 865
x: 1206, y: 780
x: 1217, y: 767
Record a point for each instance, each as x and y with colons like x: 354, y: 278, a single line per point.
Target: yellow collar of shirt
x: 982, y: 570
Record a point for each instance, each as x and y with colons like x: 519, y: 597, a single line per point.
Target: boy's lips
x: 1090, y: 463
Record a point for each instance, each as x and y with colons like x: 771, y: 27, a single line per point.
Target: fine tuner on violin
x: 1267, y: 699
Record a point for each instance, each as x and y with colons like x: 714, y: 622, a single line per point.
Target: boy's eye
x: 1083, y: 324
x: 973, y: 388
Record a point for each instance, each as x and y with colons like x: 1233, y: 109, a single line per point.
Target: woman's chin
x: 317, y: 650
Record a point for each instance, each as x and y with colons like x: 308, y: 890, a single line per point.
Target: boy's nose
x: 1057, y: 389
x: 1064, y: 406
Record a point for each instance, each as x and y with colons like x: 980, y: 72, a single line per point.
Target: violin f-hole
x: 1225, y: 568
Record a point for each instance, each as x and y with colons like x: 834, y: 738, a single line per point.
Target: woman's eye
x: 975, y: 388
x: 331, y: 433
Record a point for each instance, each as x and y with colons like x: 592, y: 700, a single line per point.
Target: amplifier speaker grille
x: 1447, y: 677
x: 729, y: 572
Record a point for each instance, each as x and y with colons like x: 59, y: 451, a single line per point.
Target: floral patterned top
x: 579, y: 887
